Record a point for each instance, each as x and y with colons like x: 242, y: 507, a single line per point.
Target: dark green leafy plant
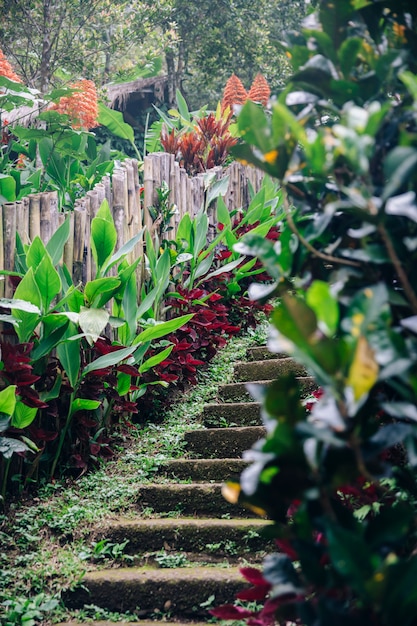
x: 338, y: 479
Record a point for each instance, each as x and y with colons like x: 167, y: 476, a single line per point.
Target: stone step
x: 198, y: 499
x: 231, y: 414
x: 261, y: 353
x: 222, y: 443
x: 237, y: 392
x: 267, y: 370
x: 203, y: 470
x: 213, y: 537
x: 177, y: 591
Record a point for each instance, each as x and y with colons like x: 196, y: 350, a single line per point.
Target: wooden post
x: 9, y: 240
x: 35, y: 216
x: 69, y: 246
x: 119, y: 178
x: 45, y: 218
x: 148, y: 181
x: 3, y: 278
x: 79, y: 243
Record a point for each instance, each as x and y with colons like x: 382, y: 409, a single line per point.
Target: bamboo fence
x: 38, y: 214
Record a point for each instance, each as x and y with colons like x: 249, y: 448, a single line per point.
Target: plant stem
x: 402, y: 276
x: 62, y: 436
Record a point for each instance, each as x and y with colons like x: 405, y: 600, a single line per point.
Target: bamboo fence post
x: 54, y: 212
x: 106, y: 181
x: 148, y: 182
x: 35, y: 216
x: 177, y: 197
x: 45, y: 218
x: 119, y: 200
x: 23, y: 221
x: 68, y: 257
x: 183, y: 196
x: 9, y: 234
x: 88, y: 255
x: 80, y: 218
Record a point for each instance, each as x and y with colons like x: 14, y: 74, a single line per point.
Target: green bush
x: 338, y: 476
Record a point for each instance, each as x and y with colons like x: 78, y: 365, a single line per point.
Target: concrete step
x: 261, y: 353
x: 204, y: 536
x: 232, y: 414
x: 236, y: 392
x: 222, y: 443
x: 203, y: 470
x: 177, y: 591
x: 267, y: 370
x: 198, y: 499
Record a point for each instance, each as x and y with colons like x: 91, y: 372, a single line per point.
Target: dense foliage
x: 338, y: 476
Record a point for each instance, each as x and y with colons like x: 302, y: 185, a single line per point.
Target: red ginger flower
x: 234, y: 92
x: 6, y: 69
x: 260, y: 91
x: 81, y: 107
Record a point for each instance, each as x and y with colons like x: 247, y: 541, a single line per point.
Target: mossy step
x: 199, y: 536
x: 237, y: 392
x: 261, y: 353
x: 222, y: 443
x: 179, y: 591
x: 267, y: 370
x: 221, y: 415
x: 198, y: 499
x: 203, y: 470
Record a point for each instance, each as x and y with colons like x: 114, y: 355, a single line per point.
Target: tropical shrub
x: 338, y: 477
x: 72, y: 384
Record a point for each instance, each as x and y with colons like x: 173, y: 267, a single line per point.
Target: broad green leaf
x: 23, y: 415
x: 99, y: 286
x: 35, y: 253
x: 325, y: 306
x: 7, y: 188
x: 200, y: 228
x: 68, y: 353
x: 8, y: 400
x: 84, y: 404
x: 146, y: 303
x: 103, y: 236
x: 348, y: 54
x: 93, y: 322
x: 182, y: 106
x: 48, y: 281
x: 155, y: 360
x: 217, y: 190
x: 50, y: 340
x: 162, y: 329
x: 108, y: 360
x: 184, y: 231
x: 9, y: 446
x: 254, y: 128
x: 54, y: 164
x: 113, y: 120
x: 21, y: 305
x: 27, y: 290
x: 124, y: 382
x: 55, y: 245
x: 204, y: 265
x: 124, y: 250
x: 222, y: 212
x: 224, y: 268
x: 53, y: 393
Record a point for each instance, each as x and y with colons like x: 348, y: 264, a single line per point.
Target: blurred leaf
x: 363, y: 372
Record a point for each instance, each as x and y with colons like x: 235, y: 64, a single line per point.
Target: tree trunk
x: 45, y: 67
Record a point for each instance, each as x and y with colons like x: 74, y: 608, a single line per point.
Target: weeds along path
x: 150, y: 536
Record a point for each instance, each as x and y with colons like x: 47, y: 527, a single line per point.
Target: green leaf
x: 48, y: 281
x: 21, y: 305
x: 99, y: 286
x: 325, y: 306
x: 27, y: 290
x: 23, y: 415
x: 54, y: 164
x: 113, y: 120
x: 222, y: 213
x: 7, y: 188
x: 155, y: 360
x: 49, y: 341
x: 124, y: 250
x: 84, y: 404
x: 8, y: 400
x: 162, y: 329
x: 200, y: 228
x: 217, y: 190
x: 204, y: 265
x: 108, y: 360
x: 93, y: 322
x: 103, y: 236
x: 254, y: 128
x: 182, y: 106
x: 225, y: 268
x: 68, y: 353
x: 348, y: 54
x: 55, y: 246
x: 124, y: 382
x: 9, y: 446
x: 35, y: 253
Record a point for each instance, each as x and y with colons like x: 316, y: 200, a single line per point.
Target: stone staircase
x: 186, y: 556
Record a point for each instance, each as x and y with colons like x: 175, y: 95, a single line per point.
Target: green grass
x: 42, y: 537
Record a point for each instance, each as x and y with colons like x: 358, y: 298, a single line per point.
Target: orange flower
x: 7, y: 70
x: 81, y: 107
x: 260, y: 91
x: 234, y: 93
